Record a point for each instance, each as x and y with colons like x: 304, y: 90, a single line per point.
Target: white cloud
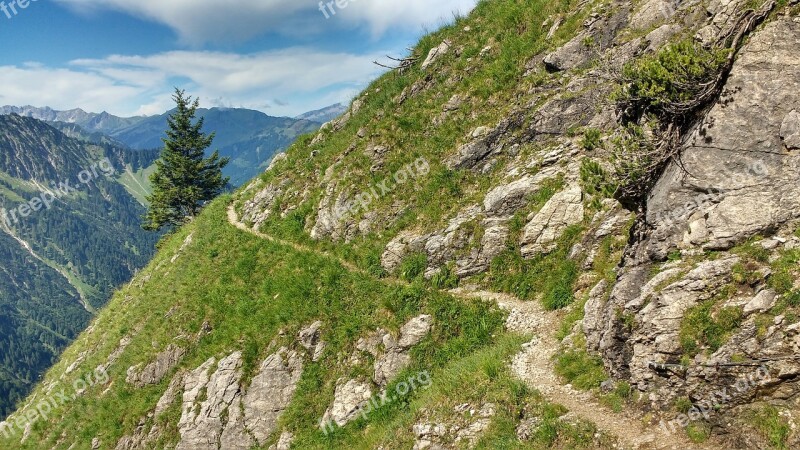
x: 304, y: 78
x: 201, y: 21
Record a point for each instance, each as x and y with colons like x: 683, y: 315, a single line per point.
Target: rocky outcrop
x: 737, y: 179
x: 201, y: 424
x: 465, y: 430
x: 228, y: 416
x: 396, y: 355
x: 598, y: 35
x: 349, y: 399
x: 310, y: 339
x: 261, y: 207
x: 790, y: 130
x: 154, y: 372
x: 545, y: 227
x: 270, y: 392
x: 436, y: 53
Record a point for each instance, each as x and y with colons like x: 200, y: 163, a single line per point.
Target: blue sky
x: 283, y: 57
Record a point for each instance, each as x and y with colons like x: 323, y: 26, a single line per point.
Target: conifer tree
x: 184, y: 179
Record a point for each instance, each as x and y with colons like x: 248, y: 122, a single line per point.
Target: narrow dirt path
x: 233, y: 218
x: 535, y: 364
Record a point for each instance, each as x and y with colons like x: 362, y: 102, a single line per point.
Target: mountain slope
x: 558, y: 225
x: 64, y: 251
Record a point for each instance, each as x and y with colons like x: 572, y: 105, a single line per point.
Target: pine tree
x: 184, y: 179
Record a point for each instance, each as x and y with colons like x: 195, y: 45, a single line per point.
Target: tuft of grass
x: 698, y: 432
x: 591, y: 139
x: 621, y: 396
x: 413, y: 266
x: 702, y: 328
x: 771, y: 426
x: 583, y: 370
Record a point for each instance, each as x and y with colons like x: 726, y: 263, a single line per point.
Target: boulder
x: 436, y: 53
x: 348, y: 400
x: 545, y: 227
x: 154, y: 372
x: 762, y: 302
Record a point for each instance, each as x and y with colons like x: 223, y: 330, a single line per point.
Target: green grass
x: 771, y: 426
x: 248, y: 289
x: 494, y: 85
x: 553, y: 275
x: 582, y: 370
x: 706, y: 327
x: 137, y: 183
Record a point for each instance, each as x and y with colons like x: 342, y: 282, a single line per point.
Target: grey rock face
x: 652, y: 12
x: 598, y: 36
x: 259, y: 209
x: 436, y: 53
x: 310, y: 339
x: 349, y: 399
x: 270, y: 392
x: 201, y: 427
x: 790, y: 130
x: 762, y: 302
x: 228, y: 417
x: 154, y: 372
x: 737, y: 182
x: 545, y: 227
x: 333, y: 215
x: 658, y: 323
x: 504, y: 200
x: 396, y: 356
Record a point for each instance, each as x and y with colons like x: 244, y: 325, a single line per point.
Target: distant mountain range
x: 325, y: 114
x: 250, y: 138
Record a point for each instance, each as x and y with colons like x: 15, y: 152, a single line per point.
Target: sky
x: 282, y: 57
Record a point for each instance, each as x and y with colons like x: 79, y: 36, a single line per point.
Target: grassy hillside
x: 250, y: 294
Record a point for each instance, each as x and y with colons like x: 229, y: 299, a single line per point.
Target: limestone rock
x: 396, y: 356
x: 170, y: 394
x: 762, y: 302
x: 349, y: 399
x: 436, y: 53
x: 505, y: 199
x: 284, y: 442
x: 310, y: 339
x: 790, y: 130
x: 201, y: 427
x: 154, y: 372
x: 270, y: 392
x: 545, y: 227
x: 582, y: 48
x: 414, y: 331
x: 755, y: 190
x: 651, y: 12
